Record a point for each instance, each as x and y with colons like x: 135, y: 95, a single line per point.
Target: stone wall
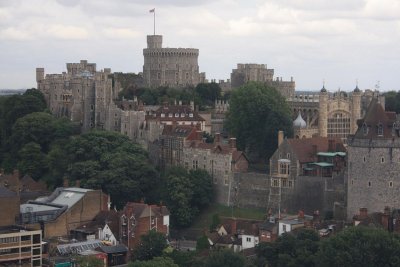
x: 373, y: 181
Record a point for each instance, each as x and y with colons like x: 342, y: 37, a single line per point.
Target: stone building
x: 332, y: 115
x: 373, y: 162
x: 260, y: 73
x: 174, y: 67
x: 82, y: 94
x: 221, y: 160
x: 304, y: 173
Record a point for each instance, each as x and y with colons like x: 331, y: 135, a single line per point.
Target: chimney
x: 385, y: 219
x: 280, y: 137
x: 300, y: 216
x: 331, y: 145
x: 217, y: 138
x: 232, y: 142
x: 363, y: 213
x: 78, y: 183
x: 192, y: 105
x: 234, y: 227
x: 180, y: 102
x: 65, y: 182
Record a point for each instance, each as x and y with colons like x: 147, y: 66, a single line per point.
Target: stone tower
x: 323, y: 113
x: 373, y: 162
x: 174, y: 67
x: 356, y: 109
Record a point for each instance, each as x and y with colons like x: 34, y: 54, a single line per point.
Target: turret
x: 154, y: 41
x: 356, y: 109
x: 39, y: 74
x: 323, y: 113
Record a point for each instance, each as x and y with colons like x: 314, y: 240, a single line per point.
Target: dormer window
x: 380, y: 129
x: 365, y: 128
x: 162, y: 115
x: 182, y: 115
x: 170, y: 115
x: 190, y: 115
x: 123, y: 219
x: 133, y: 221
x: 176, y: 115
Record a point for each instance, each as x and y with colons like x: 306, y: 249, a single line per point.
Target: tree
x: 113, y: 163
x: 151, y: 245
x: 225, y: 257
x: 32, y: 161
x: 256, y: 113
x: 290, y: 250
x: 202, y: 243
x: 208, y: 92
x: 392, y: 101
x: 215, y: 222
x: 186, y: 193
x: 155, y: 262
x: 359, y: 246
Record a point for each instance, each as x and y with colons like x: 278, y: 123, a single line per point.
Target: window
x: 158, y: 75
x: 226, y: 181
x: 248, y: 239
x: 284, y: 168
x: 275, y: 182
x: 288, y: 155
x: 382, y: 160
x: 380, y: 129
x: 364, y: 159
x: 284, y: 228
x: 390, y: 184
x: 290, y: 183
x: 352, y: 182
x: 369, y: 184
x: 284, y: 182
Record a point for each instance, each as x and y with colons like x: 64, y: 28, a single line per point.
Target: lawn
x: 204, y: 220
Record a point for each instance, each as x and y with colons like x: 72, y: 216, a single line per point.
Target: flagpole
x: 154, y: 24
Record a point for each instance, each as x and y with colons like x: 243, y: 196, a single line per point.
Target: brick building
x: 137, y: 219
x: 9, y: 207
x: 64, y: 210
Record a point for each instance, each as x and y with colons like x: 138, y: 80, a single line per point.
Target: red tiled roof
x: 306, y: 148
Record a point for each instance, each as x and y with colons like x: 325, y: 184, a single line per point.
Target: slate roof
x: 184, y: 131
x: 113, y: 249
x: 4, y: 192
x: 374, y: 117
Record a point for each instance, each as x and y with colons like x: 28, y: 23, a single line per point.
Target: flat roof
x: 331, y: 154
x: 322, y: 164
x: 31, y: 207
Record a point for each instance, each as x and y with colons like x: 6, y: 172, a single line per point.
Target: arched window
x: 380, y: 129
x: 365, y: 128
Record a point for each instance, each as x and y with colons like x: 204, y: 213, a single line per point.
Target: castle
x: 332, y: 115
x: 174, y: 67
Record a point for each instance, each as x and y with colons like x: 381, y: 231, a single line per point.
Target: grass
x: 204, y: 220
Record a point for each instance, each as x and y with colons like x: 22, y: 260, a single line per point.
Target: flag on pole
x: 152, y: 10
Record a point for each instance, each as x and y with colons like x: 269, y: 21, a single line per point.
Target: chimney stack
x: 65, y: 182
x: 232, y: 142
x: 280, y: 137
x: 78, y: 183
x: 363, y: 213
x: 217, y: 138
x: 300, y: 215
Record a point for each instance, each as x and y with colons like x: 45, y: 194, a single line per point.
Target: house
x: 291, y: 223
x: 137, y: 219
x: 268, y: 231
x: 115, y: 255
x: 105, y: 227
x: 236, y: 234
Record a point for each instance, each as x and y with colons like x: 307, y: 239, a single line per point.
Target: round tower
x: 356, y: 109
x: 323, y: 113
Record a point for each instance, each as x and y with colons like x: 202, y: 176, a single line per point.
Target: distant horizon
x: 341, y: 41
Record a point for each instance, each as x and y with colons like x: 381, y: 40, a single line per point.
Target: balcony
x: 15, y: 256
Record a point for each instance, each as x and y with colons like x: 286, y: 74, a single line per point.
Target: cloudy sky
x: 339, y: 41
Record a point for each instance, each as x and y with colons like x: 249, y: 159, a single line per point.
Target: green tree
x: 155, y: 262
x: 151, y: 245
x: 290, y: 250
x: 208, y: 92
x: 186, y: 194
x: 392, y: 101
x: 111, y: 162
x: 225, y: 257
x: 91, y: 261
x: 32, y: 160
x: 202, y: 243
x: 215, y: 222
x: 359, y: 246
x: 256, y: 113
